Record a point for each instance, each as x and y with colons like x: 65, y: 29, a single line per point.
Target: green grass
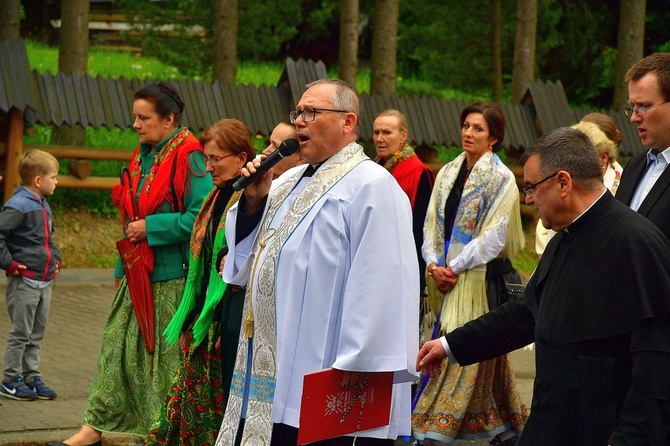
x: 108, y: 63
x: 104, y: 63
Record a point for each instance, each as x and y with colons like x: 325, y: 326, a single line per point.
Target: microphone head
x: 288, y: 147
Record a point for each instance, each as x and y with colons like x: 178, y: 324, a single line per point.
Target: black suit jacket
x: 656, y: 205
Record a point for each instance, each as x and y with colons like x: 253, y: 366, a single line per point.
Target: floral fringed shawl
x: 490, y: 202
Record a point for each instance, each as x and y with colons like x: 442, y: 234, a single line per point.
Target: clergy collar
x: 312, y: 168
x: 583, y: 218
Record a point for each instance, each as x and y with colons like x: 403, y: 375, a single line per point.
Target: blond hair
x: 402, y: 120
x: 598, y: 138
x: 35, y: 163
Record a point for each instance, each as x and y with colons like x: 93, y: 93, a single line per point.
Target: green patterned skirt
x: 125, y: 396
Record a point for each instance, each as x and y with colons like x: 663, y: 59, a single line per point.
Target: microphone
x: 287, y: 148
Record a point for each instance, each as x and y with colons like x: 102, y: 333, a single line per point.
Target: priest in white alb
x: 327, y: 254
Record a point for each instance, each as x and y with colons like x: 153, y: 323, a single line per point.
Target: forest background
x: 455, y: 49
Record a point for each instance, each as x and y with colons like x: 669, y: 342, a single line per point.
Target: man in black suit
x: 597, y: 308
x: 645, y: 182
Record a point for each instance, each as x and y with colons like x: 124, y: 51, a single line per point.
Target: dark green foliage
x: 583, y: 57
x: 263, y: 27
x: 449, y: 43
x: 443, y: 43
x: 656, y: 32
x: 316, y: 31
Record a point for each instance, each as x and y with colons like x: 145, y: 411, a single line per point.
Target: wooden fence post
x: 14, y: 152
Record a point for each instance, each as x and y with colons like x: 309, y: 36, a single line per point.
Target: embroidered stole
x: 258, y: 371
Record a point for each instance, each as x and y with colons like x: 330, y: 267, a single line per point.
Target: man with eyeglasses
x: 333, y: 279
x: 597, y: 308
x: 645, y: 182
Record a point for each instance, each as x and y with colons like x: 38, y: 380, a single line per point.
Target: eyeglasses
x: 528, y: 189
x: 309, y: 114
x: 641, y: 110
x: 214, y: 159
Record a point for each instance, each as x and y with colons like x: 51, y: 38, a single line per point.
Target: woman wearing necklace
x: 208, y: 321
x: 473, y: 224
x: 158, y: 199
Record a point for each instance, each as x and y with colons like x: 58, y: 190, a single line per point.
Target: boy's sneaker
x: 16, y: 389
x: 43, y: 392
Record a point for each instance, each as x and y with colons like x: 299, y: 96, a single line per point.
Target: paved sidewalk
x: 79, y: 307
x: 80, y: 303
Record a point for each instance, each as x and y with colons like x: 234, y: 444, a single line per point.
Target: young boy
x: 31, y: 261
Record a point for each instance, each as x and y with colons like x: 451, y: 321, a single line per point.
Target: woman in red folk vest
x: 415, y: 178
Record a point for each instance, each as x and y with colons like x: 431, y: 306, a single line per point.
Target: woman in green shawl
x: 207, y: 322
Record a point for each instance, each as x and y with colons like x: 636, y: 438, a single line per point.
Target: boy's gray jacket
x: 26, y: 227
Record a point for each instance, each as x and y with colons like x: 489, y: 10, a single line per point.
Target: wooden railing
x: 80, y: 179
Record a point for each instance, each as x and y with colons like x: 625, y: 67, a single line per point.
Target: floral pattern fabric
x: 196, y: 394
x: 471, y: 402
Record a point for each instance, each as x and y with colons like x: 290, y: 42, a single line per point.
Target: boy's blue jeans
x: 29, y: 312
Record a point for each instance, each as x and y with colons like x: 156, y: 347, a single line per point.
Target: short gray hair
x: 567, y: 149
x: 345, y: 97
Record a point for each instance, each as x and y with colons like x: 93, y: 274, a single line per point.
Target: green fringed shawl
x: 194, y: 282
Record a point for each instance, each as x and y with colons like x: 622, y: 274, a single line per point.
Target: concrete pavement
x: 80, y: 303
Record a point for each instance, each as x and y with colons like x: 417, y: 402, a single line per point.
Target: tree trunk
x: 384, y: 47
x: 523, y: 71
x: 496, y: 51
x: 348, y: 57
x: 224, y: 63
x: 630, y: 46
x: 72, y: 58
x: 10, y: 22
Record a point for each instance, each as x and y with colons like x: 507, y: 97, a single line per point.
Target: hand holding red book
x: 329, y: 410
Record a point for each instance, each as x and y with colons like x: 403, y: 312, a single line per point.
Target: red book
x: 328, y: 410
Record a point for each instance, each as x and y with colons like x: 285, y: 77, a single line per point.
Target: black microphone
x: 287, y: 148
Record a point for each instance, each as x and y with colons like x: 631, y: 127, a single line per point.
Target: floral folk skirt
x: 129, y: 385
x: 471, y: 402
x: 193, y: 409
